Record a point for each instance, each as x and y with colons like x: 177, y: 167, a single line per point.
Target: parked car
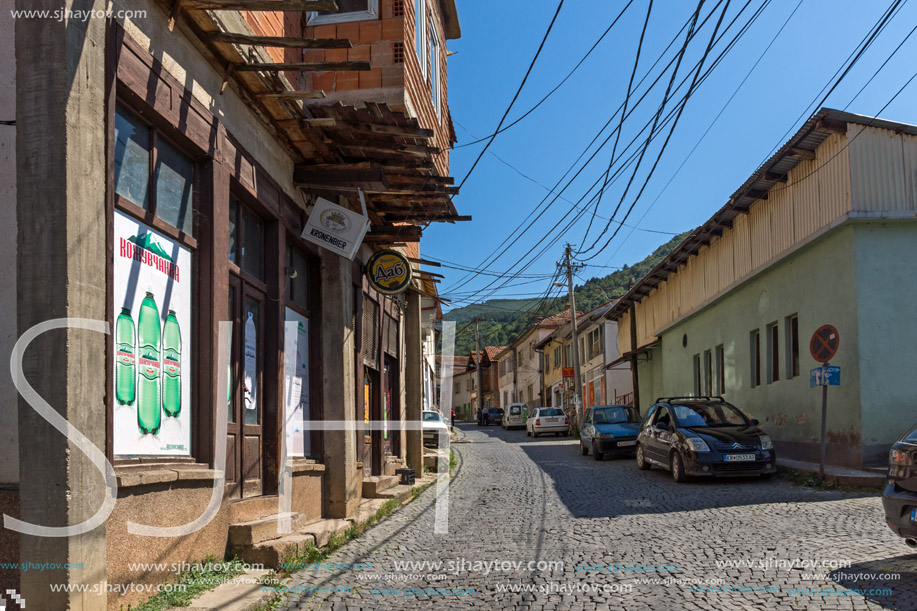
x: 704, y: 436
x: 514, y: 415
x: 609, y: 429
x: 547, y: 420
x: 433, y: 426
x: 491, y: 415
x: 900, y: 495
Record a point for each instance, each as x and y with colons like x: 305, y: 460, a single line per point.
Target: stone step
x: 368, y: 508
x: 255, y: 508
x: 323, y: 529
x: 375, y: 485
x: 262, y: 529
x: 402, y: 493
x: 271, y: 554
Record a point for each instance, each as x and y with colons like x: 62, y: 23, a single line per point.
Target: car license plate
x: 552, y: 419
x: 914, y: 514
x: 622, y: 444
x: 739, y: 457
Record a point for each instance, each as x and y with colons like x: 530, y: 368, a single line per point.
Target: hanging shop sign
x: 389, y: 272
x: 152, y: 376
x: 336, y: 228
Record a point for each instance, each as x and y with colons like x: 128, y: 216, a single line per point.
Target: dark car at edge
x: 900, y: 495
x: 703, y: 436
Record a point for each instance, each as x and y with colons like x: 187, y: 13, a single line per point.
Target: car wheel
x: 583, y: 449
x: 596, y: 454
x: 678, y: 468
x: 641, y: 459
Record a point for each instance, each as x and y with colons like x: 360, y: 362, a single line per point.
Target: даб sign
x: 335, y: 228
x: 389, y: 272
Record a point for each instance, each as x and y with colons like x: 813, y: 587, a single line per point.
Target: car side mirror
x: 755, y: 422
x: 663, y: 426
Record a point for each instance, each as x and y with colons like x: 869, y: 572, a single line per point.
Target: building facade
x: 823, y: 233
x: 181, y: 154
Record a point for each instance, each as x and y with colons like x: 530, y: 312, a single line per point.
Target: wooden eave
x: 373, y: 148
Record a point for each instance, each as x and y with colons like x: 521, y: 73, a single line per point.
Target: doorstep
x: 244, y: 593
x: 844, y: 475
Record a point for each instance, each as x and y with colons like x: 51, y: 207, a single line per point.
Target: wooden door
x: 244, y: 429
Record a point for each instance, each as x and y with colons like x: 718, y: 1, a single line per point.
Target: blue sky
x: 499, y: 40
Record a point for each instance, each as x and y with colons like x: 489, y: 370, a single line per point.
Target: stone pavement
x: 568, y: 532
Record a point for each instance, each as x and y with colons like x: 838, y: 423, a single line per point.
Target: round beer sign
x: 389, y: 272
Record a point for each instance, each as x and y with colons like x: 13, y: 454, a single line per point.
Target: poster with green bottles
x: 151, y: 336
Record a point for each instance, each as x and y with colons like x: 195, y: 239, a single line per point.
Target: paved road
x: 604, y: 535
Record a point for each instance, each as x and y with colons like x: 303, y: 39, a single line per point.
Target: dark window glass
x: 794, y: 346
x: 233, y: 230
x: 696, y: 375
x: 174, y: 186
x: 132, y: 158
x: 297, y: 278
x: 755, y: 358
x: 251, y: 353
x: 252, y: 243
x: 721, y: 369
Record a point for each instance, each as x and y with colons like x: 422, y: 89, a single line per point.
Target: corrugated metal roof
x: 800, y: 146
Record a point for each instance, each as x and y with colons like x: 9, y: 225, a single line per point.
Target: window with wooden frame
x: 792, y: 346
x: 755, y: 345
x: 435, y: 72
x: 348, y: 10
x: 152, y: 175
x: 246, y: 239
x: 721, y: 369
x: 708, y: 373
x: 773, y: 353
x: 420, y: 34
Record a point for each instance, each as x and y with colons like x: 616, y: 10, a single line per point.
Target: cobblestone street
x: 603, y: 535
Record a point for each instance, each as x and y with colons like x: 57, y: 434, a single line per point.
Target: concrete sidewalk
x: 844, y: 475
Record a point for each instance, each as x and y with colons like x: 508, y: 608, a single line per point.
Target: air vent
x: 398, y: 52
x: 398, y: 8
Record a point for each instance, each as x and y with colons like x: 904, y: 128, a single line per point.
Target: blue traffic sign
x: 825, y: 376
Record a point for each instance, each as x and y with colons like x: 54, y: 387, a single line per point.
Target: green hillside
x: 502, y: 320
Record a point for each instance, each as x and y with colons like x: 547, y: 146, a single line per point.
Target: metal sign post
x: 823, y: 346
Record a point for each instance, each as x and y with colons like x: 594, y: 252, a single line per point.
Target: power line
x: 690, y: 92
x: 672, y: 113
x: 516, y: 96
x: 556, y: 87
x: 522, y: 225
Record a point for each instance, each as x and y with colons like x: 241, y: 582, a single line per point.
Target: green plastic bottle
x: 149, y: 403
x: 125, y: 359
x: 171, y: 366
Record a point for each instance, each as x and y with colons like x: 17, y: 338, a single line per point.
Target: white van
x: 514, y: 415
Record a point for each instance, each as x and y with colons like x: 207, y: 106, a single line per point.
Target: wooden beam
x: 835, y: 127
x: 327, y: 167
x: 415, y: 150
x: 771, y: 176
x: 416, y: 178
x: 424, y: 262
x: 393, y: 130
x: 303, y: 67
x: 280, y: 41
x: 292, y: 95
x: 371, y: 178
x: 298, y: 6
x: 425, y: 218
x: 797, y: 152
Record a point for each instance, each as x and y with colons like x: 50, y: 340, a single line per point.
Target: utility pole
x: 577, y: 380
x: 477, y: 365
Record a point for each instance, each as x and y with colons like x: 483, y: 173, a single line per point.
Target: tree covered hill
x: 503, y: 320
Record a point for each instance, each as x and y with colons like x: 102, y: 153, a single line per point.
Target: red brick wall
x: 374, y: 41
x: 279, y: 23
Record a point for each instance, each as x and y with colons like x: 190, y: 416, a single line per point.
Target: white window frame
x: 420, y: 34
x: 436, y: 77
x: 313, y: 18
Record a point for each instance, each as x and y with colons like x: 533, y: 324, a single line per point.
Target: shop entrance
x: 245, y: 409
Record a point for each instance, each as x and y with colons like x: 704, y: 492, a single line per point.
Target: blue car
x: 609, y: 429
